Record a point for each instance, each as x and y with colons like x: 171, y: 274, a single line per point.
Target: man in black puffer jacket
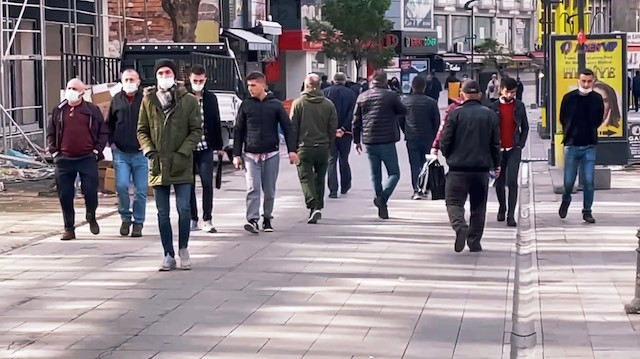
x: 420, y: 126
x: 375, y: 123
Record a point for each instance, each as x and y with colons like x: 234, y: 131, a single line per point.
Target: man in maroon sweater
x: 77, y: 135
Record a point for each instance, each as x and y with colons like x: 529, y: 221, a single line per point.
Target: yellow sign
x: 605, y: 58
x: 454, y: 90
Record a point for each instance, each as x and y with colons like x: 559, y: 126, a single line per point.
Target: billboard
x: 417, y: 14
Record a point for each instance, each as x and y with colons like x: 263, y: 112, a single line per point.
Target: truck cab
x: 223, y: 74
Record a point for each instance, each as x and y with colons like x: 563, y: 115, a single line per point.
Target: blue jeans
x: 183, y: 199
x: 379, y: 154
x: 584, y: 158
x: 417, y: 151
x: 128, y: 166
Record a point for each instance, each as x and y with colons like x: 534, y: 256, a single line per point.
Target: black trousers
x: 67, y: 169
x: 636, y: 97
x: 340, y: 158
x: 203, y: 166
x: 475, y: 185
x: 510, y: 167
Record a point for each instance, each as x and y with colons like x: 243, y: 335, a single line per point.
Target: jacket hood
x: 270, y: 96
x: 315, y: 96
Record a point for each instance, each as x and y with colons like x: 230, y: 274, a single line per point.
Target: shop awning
x: 254, y: 42
x: 270, y: 27
x: 521, y: 58
x: 454, y: 58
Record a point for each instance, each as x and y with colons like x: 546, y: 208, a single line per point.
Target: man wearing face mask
x: 581, y: 113
x: 169, y: 128
x: 203, y: 155
x: 77, y: 135
x: 128, y: 160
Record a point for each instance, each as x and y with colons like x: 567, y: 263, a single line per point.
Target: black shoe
x: 137, y: 230
x: 333, y: 195
x: 461, y: 239
x: 588, y: 217
x: 511, y: 222
x: 345, y: 190
x: 314, y: 216
x: 68, y: 235
x: 124, y: 228
x: 475, y: 247
x: 266, y: 225
x: 383, y: 212
x: 501, y: 216
x: 564, y: 208
x: 252, y: 227
x: 93, y: 223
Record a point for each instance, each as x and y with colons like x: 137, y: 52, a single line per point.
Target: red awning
x: 521, y: 58
x: 538, y: 54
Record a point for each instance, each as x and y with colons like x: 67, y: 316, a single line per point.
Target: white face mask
x: 197, y: 87
x: 72, y: 95
x: 130, y: 87
x: 166, y: 83
x: 584, y: 90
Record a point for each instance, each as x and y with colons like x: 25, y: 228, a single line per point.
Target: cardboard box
x: 102, y: 94
x: 110, y: 180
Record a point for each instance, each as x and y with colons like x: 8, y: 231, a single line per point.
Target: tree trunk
x: 184, y: 18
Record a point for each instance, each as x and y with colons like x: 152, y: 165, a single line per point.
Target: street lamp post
x: 467, y: 6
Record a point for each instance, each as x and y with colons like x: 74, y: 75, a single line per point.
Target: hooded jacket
x: 314, y: 120
x: 375, y: 118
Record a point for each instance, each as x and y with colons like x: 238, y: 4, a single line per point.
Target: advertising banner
x: 409, y: 69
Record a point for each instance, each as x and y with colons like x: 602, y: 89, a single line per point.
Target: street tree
x: 353, y: 29
x: 184, y: 18
x: 495, y: 53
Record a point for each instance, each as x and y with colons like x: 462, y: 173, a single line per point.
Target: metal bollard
x: 634, y: 306
x: 523, y: 333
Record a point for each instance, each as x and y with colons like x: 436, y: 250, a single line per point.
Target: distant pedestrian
x: 465, y: 77
x: 76, y: 138
x: 394, y: 85
x: 420, y: 126
x: 128, y: 160
x: 433, y: 87
x: 471, y: 144
x: 325, y: 83
x: 514, y: 130
x: 345, y: 101
x: 581, y: 113
x: 493, y: 88
x: 314, y: 121
x: 210, y: 142
x: 256, y: 149
x: 520, y: 89
x: 636, y: 91
x: 169, y: 128
x: 375, y: 123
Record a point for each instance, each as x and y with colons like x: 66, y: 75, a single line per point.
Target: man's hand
x: 498, y: 171
x: 359, y: 148
x: 293, y: 158
x: 237, y: 162
x: 339, y: 133
x: 434, y: 152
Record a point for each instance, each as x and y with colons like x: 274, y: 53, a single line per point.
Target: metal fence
x: 92, y: 70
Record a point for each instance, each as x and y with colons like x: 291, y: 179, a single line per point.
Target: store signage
x: 422, y: 43
x: 633, y: 39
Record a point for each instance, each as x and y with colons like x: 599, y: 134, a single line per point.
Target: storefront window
x: 441, y: 28
x: 523, y: 35
x: 483, y: 29
x: 460, y: 32
x: 319, y: 64
x: 503, y: 32
x: 343, y: 66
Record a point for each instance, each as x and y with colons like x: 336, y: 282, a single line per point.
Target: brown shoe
x: 68, y: 235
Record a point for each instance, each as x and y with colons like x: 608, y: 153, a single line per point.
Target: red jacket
x: 454, y: 106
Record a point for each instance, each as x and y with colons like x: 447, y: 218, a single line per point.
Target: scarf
x: 167, y: 99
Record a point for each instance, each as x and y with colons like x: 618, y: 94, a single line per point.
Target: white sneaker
x: 185, y: 259
x: 194, y: 225
x: 208, y: 227
x: 168, y: 264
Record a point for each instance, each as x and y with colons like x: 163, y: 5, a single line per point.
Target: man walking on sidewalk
x: 77, y: 135
x: 210, y: 142
x: 344, y: 99
x: 375, y: 123
x: 128, y: 160
x: 581, y: 114
x: 256, y: 136
x: 420, y: 126
x: 514, y: 129
x: 169, y: 128
x: 471, y: 143
x: 314, y: 121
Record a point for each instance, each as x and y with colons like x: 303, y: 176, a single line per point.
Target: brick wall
x: 160, y: 29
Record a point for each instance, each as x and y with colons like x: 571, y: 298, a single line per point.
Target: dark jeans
x: 417, y: 151
x: 340, y: 155
x: 203, y: 166
x: 583, y: 158
x: 311, y: 171
x: 67, y: 169
x: 162, y: 194
x: 387, y: 154
x: 636, y: 97
x: 459, y: 186
x: 509, y: 169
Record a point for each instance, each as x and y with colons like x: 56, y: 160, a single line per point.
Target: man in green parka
x: 169, y: 128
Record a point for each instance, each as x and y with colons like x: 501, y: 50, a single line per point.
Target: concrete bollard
x: 634, y: 306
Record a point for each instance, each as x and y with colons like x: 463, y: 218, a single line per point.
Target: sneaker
x: 511, y: 222
x: 501, y: 216
x: 185, y: 259
x: 266, y: 225
x: 194, y: 225
x: 68, y: 235
x: 588, y: 217
x: 169, y: 263
x: 416, y: 196
x: 137, y: 230
x: 252, y: 227
x: 314, y: 216
x: 208, y: 227
x: 333, y: 195
x: 124, y: 228
x: 93, y: 223
x: 564, y: 208
x: 461, y: 239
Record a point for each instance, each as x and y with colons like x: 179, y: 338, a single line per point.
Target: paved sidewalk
x: 352, y: 286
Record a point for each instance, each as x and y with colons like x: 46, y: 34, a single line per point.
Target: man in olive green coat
x: 169, y: 128
x: 315, y: 121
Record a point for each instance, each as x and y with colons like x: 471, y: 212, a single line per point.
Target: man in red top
x: 514, y: 129
x: 77, y: 135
